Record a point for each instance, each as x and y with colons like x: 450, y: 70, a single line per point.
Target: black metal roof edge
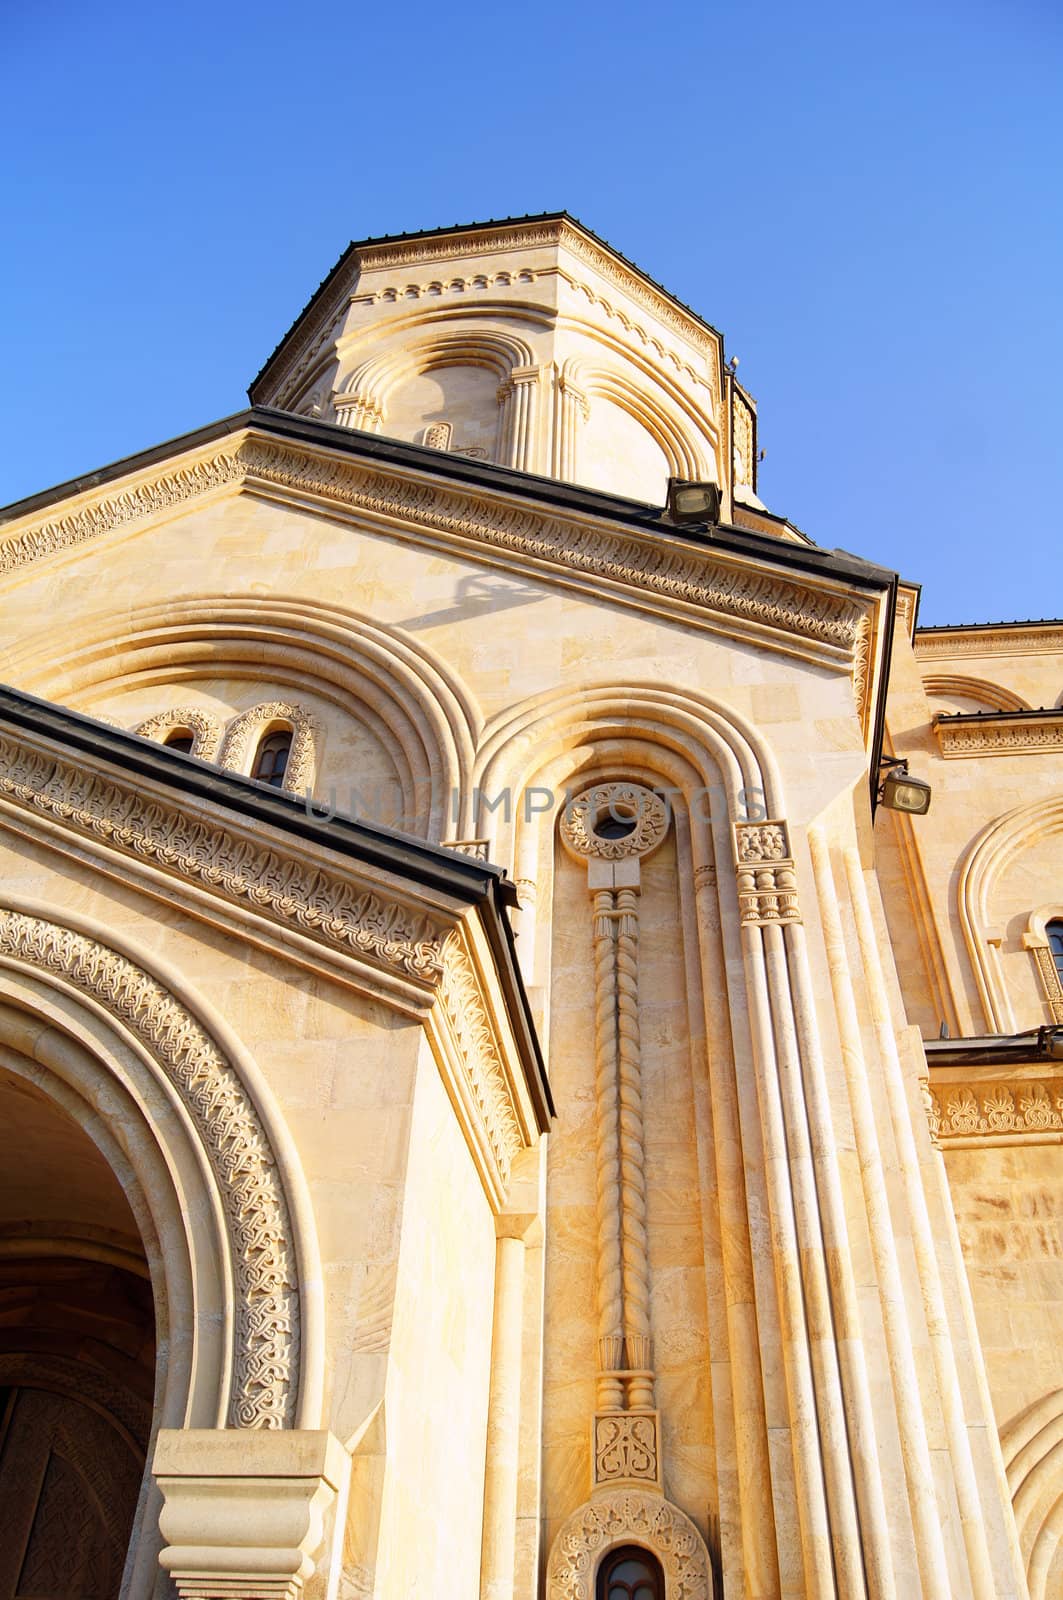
x: 990, y: 1050
x: 1020, y: 714
x: 975, y: 627
x: 836, y: 564
x: 471, y: 227
x: 477, y: 883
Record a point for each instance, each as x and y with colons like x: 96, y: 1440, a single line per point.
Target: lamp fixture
x: 899, y: 791
x: 689, y: 501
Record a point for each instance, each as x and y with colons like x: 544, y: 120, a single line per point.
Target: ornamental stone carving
x: 628, y: 1516
x: 702, y: 579
x: 591, y: 824
x: 350, y: 918
x: 481, y: 1062
x: 266, y: 1342
x: 243, y: 734
x: 625, y: 1448
x: 200, y: 724
x: 990, y: 1112
x: 767, y: 880
x: 966, y: 734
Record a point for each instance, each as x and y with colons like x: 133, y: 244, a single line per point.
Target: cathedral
x: 531, y: 993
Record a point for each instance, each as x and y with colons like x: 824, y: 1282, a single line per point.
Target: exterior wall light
x: 692, y: 502
x: 900, y: 792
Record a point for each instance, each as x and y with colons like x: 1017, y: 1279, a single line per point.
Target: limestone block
x: 243, y: 1513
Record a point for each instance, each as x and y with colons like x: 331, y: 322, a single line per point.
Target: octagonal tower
x: 528, y: 343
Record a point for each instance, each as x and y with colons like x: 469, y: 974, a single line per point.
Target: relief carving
x: 202, y: 727
x: 243, y: 734
x: 266, y: 1344
x: 767, y: 879
x: 481, y: 1062
x: 627, y: 1516
x: 625, y: 1447
x: 991, y: 1111
x: 352, y: 919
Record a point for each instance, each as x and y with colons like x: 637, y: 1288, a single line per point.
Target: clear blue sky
x: 866, y: 199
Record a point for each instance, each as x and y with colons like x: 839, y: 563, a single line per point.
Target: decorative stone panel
x: 628, y: 1516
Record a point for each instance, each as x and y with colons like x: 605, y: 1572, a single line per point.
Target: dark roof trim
x: 476, y: 883
x: 1021, y: 714
x: 546, y: 492
x: 982, y: 627
x: 459, y: 228
x: 997, y: 1050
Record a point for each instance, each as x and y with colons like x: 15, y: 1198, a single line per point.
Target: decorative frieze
x: 1024, y: 732
x: 988, y: 641
x: 481, y: 1061
x: 346, y: 916
x: 625, y: 1448
x: 701, y: 578
x: 766, y: 875
x: 1048, y: 972
x: 266, y: 1343
x: 1002, y: 1112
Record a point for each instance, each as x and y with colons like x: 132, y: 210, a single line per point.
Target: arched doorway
x: 77, y: 1356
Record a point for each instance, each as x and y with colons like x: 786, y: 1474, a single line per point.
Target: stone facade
x: 520, y: 1131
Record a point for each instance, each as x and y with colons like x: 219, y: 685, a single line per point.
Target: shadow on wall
x: 478, y: 596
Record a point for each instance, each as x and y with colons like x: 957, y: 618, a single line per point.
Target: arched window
x: 182, y: 739
x: 1054, y: 931
x: 630, y: 1574
x: 271, y: 757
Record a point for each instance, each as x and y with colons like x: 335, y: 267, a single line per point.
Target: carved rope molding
x: 623, y: 1517
x: 352, y: 919
x: 266, y: 1335
x: 692, y: 577
x: 994, y: 1111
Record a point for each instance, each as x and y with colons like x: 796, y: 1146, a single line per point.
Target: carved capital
x: 243, y: 1520
x: 766, y: 876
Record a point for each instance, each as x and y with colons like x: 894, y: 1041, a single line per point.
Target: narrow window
x: 1054, y: 931
x: 271, y: 759
x: 182, y: 739
x: 630, y: 1574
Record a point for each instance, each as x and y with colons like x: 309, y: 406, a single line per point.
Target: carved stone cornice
x: 989, y: 641
x: 266, y: 1341
x: 425, y: 953
x: 340, y: 913
x: 482, y: 1066
x: 766, y: 603
x: 998, y: 735
x: 983, y: 1112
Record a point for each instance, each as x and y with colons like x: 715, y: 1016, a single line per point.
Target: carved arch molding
x: 628, y: 1517
x: 265, y: 1359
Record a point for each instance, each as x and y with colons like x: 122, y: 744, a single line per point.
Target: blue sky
x: 865, y: 199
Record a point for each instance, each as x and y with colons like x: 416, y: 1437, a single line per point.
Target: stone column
x: 571, y: 410
x: 243, y: 1513
x: 498, y: 1551
x: 517, y: 398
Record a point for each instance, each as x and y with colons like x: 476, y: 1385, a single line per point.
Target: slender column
x: 517, y: 398
x: 570, y: 412
x: 826, y: 1334
x: 800, y: 1388
x: 498, y: 1550
x: 758, y: 1516
x: 944, y: 1355
x: 915, y: 1449
x: 632, y: 1160
x: 610, y: 1281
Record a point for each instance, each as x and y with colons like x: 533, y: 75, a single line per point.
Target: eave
x: 371, y: 906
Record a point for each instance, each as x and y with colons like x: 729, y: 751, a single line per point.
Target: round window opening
x: 615, y: 822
